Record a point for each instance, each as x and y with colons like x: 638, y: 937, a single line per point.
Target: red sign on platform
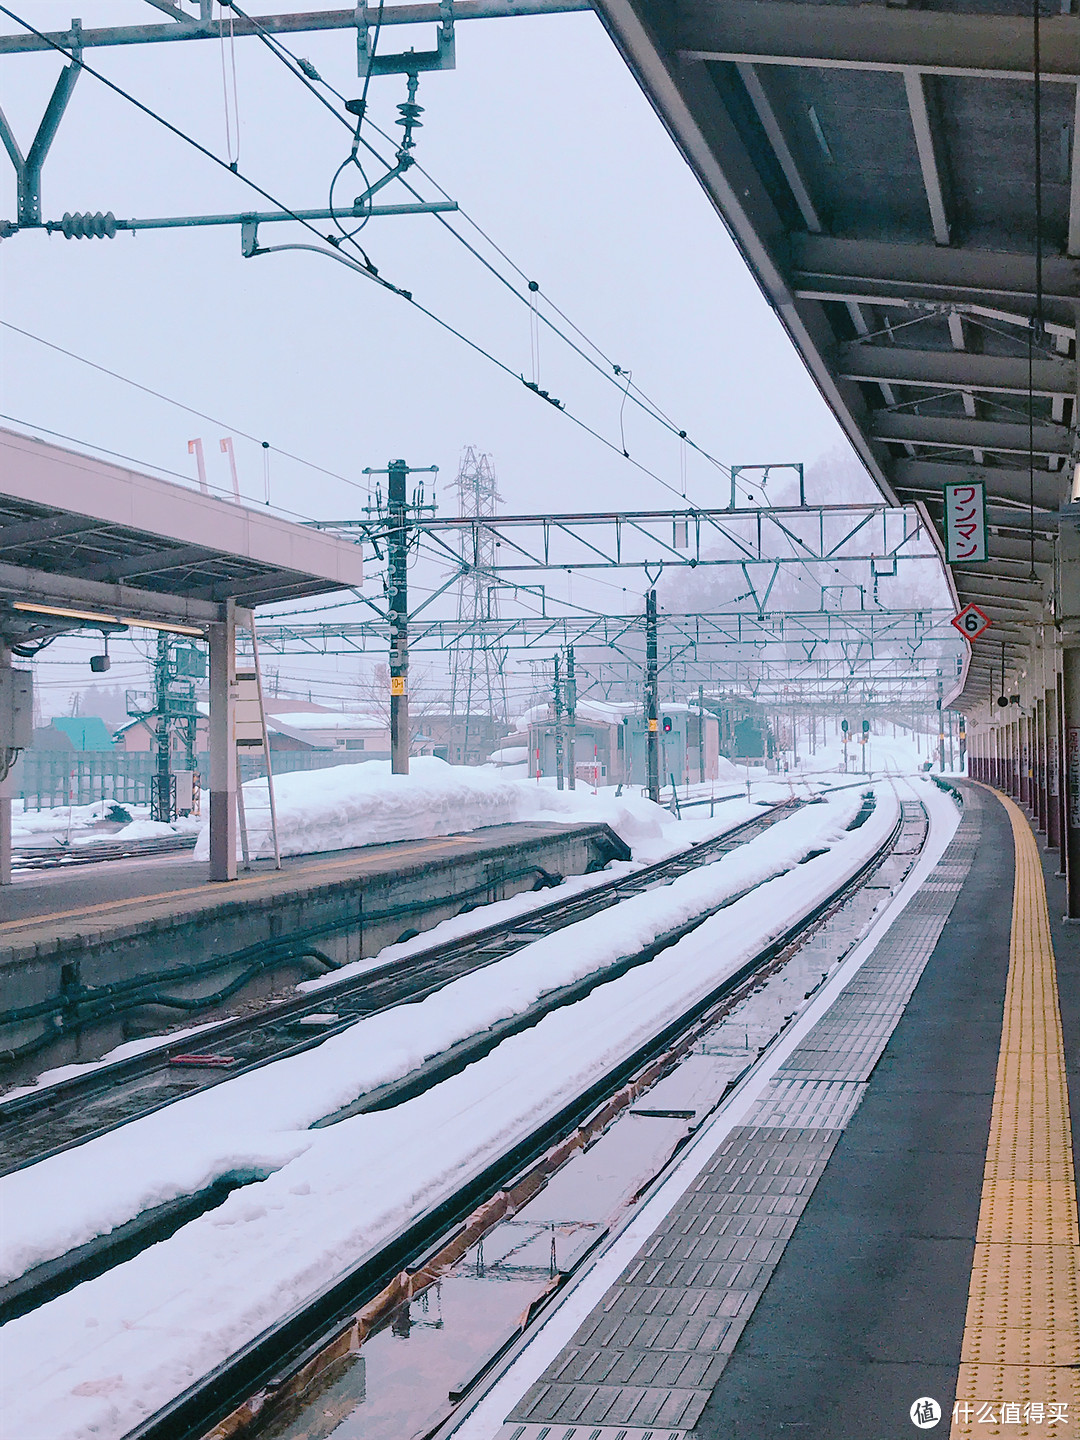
x: 971, y: 622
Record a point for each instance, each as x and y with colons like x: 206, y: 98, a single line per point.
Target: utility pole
x: 571, y: 719
x: 941, y: 731
x: 162, y: 808
x: 652, y: 699
x: 397, y: 541
x: 559, y: 762
x: 397, y: 515
x: 701, y: 733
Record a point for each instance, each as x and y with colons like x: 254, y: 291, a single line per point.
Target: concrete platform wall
x: 60, y: 970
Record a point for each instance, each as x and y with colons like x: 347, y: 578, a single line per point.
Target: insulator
x: 87, y: 227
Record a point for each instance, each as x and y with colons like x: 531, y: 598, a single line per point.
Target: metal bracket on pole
x: 28, y: 167
x: 763, y: 472
x: 409, y: 62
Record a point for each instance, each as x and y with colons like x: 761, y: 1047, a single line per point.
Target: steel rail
x: 42, y: 1123
x: 268, y: 1360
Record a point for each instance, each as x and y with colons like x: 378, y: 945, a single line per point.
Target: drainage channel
x: 459, y: 1283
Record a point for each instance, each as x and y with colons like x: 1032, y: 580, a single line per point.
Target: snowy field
x: 141, y: 1333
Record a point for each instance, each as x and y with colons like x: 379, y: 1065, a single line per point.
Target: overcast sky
x: 541, y: 135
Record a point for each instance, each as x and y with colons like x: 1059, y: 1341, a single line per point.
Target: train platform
x: 82, y: 942
x: 885, y: 1240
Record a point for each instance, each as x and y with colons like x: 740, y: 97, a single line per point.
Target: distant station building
x: 611, y: 744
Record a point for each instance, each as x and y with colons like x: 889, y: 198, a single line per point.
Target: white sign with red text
x: 965, y: 522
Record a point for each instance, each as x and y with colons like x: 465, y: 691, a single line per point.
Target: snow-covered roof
x: 597, y: 712
x: 326, y: 722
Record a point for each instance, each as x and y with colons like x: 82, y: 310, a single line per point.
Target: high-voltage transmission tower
x: 477, y: 678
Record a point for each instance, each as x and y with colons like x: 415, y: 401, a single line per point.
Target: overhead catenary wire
x: 180, y: 405
x: 609, y: 370
x: 367, y: 270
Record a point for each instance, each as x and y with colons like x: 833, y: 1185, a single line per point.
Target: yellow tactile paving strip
x: 1021, y: 1349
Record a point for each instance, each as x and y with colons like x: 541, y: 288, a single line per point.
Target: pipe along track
x: 298, y: 1341
x: 43, y: 1123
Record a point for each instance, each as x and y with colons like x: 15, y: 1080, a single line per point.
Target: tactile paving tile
x: 585, y: 1432
x: 644, y: 1362
x: 652, y: 1350
x: 811, y: 1104
x: 1022, y: 1332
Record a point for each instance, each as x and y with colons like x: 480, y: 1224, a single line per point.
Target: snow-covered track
x: 54, y: 1118
x: 272, y: 1357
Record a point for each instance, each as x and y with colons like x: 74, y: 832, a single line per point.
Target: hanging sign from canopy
x: 965, y: 522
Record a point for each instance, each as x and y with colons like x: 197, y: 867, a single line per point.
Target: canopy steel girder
x: 202, y: 27
x: 643, y: 539
x: 778, y: 32
x: 936, y: 370
x: 812, y: 126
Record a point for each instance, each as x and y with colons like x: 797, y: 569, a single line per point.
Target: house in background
x: 328, y: 730
x: 73, y: 732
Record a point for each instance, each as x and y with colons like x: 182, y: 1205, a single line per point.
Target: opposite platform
x: 68, y: 935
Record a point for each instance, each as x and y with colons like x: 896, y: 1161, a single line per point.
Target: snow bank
x: 350, y: 805
x: 138, y: 1335
x: 68, y: 1199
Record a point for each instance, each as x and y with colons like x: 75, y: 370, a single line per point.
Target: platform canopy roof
x: 83, y: 540
x: 875, y: 163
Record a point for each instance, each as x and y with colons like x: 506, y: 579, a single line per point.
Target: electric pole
x: 652, y: 698
x: 941, y: 731
x: 559, y: 764
x: 162, y: 808
x: 701, y: 733
x: 571, y: 719
x: 397, y: 536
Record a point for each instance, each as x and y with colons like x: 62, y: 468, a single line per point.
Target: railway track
x: 288, y: 1353
x: 41, y: 1123
x: 58, y: 855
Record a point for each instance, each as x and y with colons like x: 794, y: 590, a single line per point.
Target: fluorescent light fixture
x: 1075, y: 495
x: 67, y: 614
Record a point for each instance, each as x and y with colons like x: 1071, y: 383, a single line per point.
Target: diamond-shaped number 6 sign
x: 971, y: 622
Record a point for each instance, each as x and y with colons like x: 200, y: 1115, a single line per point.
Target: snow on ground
x: 66, y: 1200
x: 138, y: 1335
x: 57, y: 819
x: 33, y: 827
x: 350, y: 805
